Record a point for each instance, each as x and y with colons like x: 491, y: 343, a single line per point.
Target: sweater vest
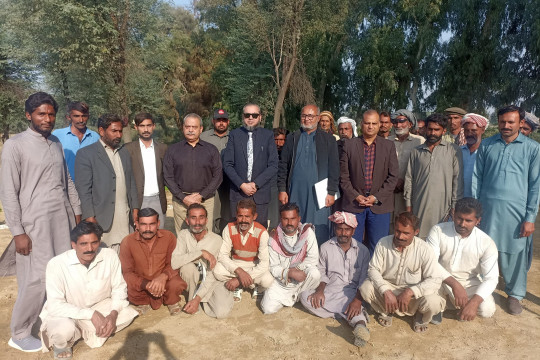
x: 249, y: 251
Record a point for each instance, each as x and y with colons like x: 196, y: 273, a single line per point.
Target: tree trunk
x: 278, y: 109
x: 65, y: 86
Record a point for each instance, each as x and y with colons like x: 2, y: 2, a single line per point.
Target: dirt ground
x: 292, y: 333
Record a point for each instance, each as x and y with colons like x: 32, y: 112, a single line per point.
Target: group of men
x: 110, y: 201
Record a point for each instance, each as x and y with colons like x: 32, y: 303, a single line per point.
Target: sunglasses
x: 254, y: 115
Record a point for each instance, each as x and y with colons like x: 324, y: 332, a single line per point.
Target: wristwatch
x: 376, y: 202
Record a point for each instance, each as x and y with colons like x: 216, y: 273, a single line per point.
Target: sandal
x: 361, y: 335
x: 66, y: 350
x: 418, y: 325
x: 386, y: 318
x: 141, y: 309
x: 174, y: 309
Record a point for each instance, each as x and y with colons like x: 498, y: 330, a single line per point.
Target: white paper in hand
x: 321, y: 192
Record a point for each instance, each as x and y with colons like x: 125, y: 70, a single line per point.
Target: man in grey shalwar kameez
x: 434, y: 177
x: 343, y: 264
x: 41, y: 207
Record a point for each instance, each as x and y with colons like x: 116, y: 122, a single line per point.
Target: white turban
x: 345, y: 119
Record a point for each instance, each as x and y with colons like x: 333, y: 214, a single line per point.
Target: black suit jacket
x: 96, y: 183
x: 385, y: 175
x: 265, y: 163
x: 134, y: 150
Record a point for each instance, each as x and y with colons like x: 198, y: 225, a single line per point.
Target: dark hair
x: 408, y: 219
x: 78, y: 106
x: 469, y: 205
x: 196, y: 206
x: 280, y: 131
x: 247, y: 204
x: 105, y: 120
x: 36, y: 100
x: 437, y: 118
x: 85, y: 228
x: 385, y: 114
x: 512, y: 108
x: 140, y: 117
x: 148, y: 212
x: 289, y: 207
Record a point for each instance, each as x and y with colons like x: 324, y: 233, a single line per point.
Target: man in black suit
x: 147, y: 161
x: 250, y: 160
x: 106, y: 184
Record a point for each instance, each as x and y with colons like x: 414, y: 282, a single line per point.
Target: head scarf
x: 345, y: 119
x: 342, y: 217
x: 472, y: 118
x: 408, y: 114
x: 532, y: 120
x: 327, y: 113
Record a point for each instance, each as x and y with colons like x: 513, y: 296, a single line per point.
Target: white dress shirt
x: 151, y: 187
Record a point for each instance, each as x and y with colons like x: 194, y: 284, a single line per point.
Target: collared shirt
x: 340, y: 269
x: 472, y: 260
x: 148, y: 154
x: 279, y: 264
x: 231, y: 264
x: 71, y: 144
x: 140, y: 264
x: 220, y: 142
x: 188, y: 249
x: 404, y: 149
x: 34, y: 185
x: 433, y: 182
x: 192, y: 169
x: 415, y: 267
x: 369, y: 162
x: 468, y: 168
x: 72, y: 288
x: 506, y: 180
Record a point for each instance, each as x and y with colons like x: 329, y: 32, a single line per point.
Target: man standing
x: 293, y: 260
x: 403, y: 120
x: 105, y: 182
x: 250, y: 162
x: 468, y: 261
x: 219, y: 136
x: 192, y: 171
x: 76, y: 135
x: 403, y: 276
x: 343, y: 264
x: 385, y: 129
x: 308, y: 157
x: 86, y: 294
x: 147, y: 161
x: 474, y: 126
x: 369, y: 173
x: 41, y: 207
x: 146, y: 265
x: 506, y: 180
x: 280, y: 135
x: 346, y: 128
x: 243, y: 257
x: 421, y: 128
x: 434, y: 177
x: 195, y: 256
x: 456, y: 135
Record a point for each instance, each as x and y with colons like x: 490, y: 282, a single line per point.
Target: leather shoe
x: 514, y: 306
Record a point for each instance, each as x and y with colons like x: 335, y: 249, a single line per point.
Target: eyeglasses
x: 401, y: 121
x: 254, y: 115
x: 308, y: 116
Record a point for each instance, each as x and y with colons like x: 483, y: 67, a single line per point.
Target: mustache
x: 89, y: 252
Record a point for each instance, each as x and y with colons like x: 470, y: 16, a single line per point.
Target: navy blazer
x: 97, y: 183
x: 265, y: 163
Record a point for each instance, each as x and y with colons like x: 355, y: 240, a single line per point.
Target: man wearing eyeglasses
x: 250, y: 161
x: 308, y: 157
x: 405, y: 142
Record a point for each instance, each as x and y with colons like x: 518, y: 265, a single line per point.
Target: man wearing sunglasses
x: 250, y: 161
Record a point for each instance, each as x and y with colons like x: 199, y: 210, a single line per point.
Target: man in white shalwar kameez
x: 294, y: 255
